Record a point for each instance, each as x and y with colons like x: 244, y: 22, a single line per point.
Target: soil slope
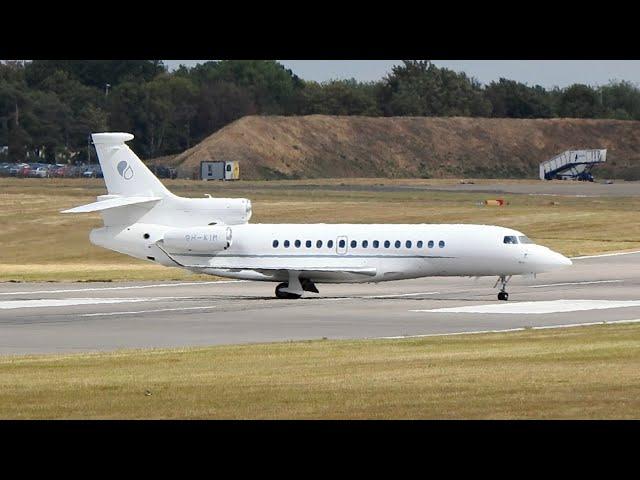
x: 320, y: 146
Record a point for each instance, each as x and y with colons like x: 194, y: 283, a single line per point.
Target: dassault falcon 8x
x: 213, y: 236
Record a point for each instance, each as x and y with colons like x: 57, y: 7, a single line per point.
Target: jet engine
x: 198, y: 239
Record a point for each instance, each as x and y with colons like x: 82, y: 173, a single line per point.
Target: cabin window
x: 330, y: 244
x: 365, y: 243
x: 308, y: 243
x: 341, y: 243
x: 387, y: 244
x: 408, y: 244
x: 524, y: 239
x: 430, y: 243
x: 286, y: 244
x: 354, y: 244
x: 510, y: 239
x: 275, y: 244
x: 376, y: 244
x: 398, y: 243
x: 319, y: 244
x: 298, y: 243
x: 419, y: 244
x: 441, y: 243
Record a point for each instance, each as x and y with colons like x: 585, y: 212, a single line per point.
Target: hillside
x: 319, y: 146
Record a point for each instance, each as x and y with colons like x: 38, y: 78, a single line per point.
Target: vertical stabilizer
x: 124, y: 173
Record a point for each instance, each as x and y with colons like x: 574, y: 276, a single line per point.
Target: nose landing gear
x: 503, y: 280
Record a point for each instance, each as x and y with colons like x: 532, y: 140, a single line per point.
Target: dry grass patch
x: 587, y: 372
x: 35, y: 234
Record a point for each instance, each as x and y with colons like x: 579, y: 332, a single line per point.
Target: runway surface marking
x: 107, y: 314
x: 132, y: 287
x: 551, y: 306
x: 69, y: 302
x: 507, y: 330
x: 605, y: 255
x: 575, y: 283
x: 398, y: 295
x: 370, y: 297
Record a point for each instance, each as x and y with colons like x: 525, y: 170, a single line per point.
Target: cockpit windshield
x: 510, y: 239
x: 524, y: 239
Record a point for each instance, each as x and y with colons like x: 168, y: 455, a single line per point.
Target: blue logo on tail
x: 125, y: 170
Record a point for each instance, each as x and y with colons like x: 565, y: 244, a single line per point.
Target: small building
x: 220, y: 170
x: 572, y: 165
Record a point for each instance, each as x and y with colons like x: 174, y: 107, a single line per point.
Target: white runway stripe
x: 400, y: 295
x: 575, y: 283
x: 132, y: 287
x: 507, y: 330
x: 605, y: 255
x: 536, y: 308
x: 107, y: 314
x: 69, y: 302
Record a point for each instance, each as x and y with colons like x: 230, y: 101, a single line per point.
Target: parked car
x: 4, y: 169
x: 41, y: 171
x: 68, y: 171
x: 93, y: 172
x: 20, y: 170
x: 162, y: 171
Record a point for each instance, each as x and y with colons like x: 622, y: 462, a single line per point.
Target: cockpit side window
x: 524, y: 239
x: 510, y: 239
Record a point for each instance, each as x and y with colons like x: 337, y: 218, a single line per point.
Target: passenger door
x: 342, y: 244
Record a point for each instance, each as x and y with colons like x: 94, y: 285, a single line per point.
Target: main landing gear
x: 503, y: 280
x: 285, y: 295
x: 298, y: 286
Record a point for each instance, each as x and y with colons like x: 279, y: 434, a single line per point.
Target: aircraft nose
x: 543, y: 259
x: 556, y: 260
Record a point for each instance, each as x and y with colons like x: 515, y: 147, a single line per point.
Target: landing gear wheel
x: 285, y: 295
x: 503, y: 296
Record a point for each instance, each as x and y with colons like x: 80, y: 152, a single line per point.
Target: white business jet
x: 213, y: 236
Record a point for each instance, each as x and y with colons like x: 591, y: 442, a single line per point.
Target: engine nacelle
x: 198, y: 239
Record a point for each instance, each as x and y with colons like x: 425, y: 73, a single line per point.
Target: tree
x: 421, y: 88
x: 517, y: 100
x: 579, y: 101
x: 220, y: 103
x: 272, y: 87
x: 339, y: 97
x: 621, y: 100
x: 95, y: 73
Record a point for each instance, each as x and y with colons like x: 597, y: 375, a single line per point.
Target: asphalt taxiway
x: 83, y: 317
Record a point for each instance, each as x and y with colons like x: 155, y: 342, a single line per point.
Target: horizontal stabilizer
x: 111, y: 203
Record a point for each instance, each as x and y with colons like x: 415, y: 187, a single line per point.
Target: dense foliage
x: 49, y: 107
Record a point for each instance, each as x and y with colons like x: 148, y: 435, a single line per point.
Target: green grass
x: 585, y: 372
x: 39, y: 243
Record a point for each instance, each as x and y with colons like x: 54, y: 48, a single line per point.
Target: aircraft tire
x: 285, y: 295
x: 503, y: 296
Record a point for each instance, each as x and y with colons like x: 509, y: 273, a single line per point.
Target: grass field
x: 577, y: 373
x: 39, y: 244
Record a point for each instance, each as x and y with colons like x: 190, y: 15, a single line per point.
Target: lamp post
x: 106, y: 89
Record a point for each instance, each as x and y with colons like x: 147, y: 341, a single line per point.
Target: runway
x: 84, y: 317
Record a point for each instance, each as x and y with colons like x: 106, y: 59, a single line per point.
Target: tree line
x: 49, y: 107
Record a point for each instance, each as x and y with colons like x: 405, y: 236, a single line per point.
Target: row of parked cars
x: 48, y: 170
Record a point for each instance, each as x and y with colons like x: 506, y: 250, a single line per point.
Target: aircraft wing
x: 300, y: 267
x: 308, y: 270
x: 111, y: 203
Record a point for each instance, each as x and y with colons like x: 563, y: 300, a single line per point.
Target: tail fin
x: 124, y: 173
